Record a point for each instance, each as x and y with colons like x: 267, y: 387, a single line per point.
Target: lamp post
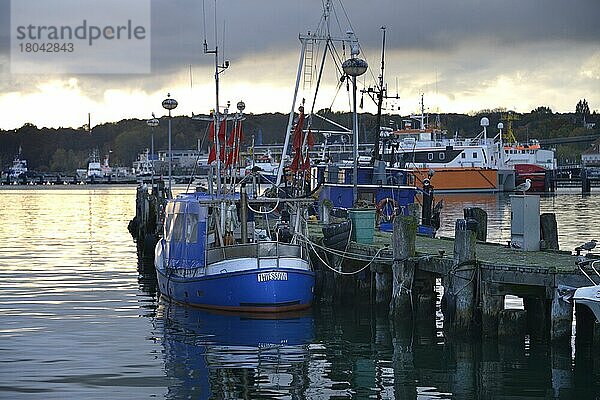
x: 354, y: 67
x: 501, y: 145
x: 152, y: 123
x: 169, y: 104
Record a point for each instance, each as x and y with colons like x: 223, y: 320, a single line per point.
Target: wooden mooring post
x: 481, y: 217
x: 462, y: 280
x: 403, y: 246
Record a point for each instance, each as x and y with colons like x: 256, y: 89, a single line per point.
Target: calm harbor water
x: 81, y: 319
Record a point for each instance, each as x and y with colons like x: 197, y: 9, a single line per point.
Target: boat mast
x: 217, y: 114
x: 303, y: 40
x: 380, y: 95
x: 321, y: 34
x: 421, y: 117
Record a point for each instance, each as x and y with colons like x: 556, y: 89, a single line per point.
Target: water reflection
x: 79, y: 320
x: 355, y: 353
x: 362, y: 355
x: 210, y: 355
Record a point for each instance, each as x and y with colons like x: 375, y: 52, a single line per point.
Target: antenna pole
x: 217, y: 114
x: 380, y: 95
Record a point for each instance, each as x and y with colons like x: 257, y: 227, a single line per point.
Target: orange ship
x: 462, y: 179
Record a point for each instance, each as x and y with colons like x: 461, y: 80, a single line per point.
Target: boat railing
x: 260, y: 250
x: 592, y: 264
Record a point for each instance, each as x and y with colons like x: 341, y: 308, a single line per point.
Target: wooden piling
x: 489, y: 369
x: 462, y: 379
x: 561, y: 363
x: 403, y: 246
x: 561, y: 318
x: 425, y: 295
x: 481, y: 217
x: 414, y: 210
x: 586, y: 184
x: 383, y: 286
x: 549, y: 231
x: 512, y: 325
x: 492, y: 306
x: 537, y: 318
x: 463, y: 277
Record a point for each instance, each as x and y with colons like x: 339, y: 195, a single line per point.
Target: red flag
x: 311, y: 139
x: 211, y: 131
x: 232, y: 157
x: 295, y: 165
x: 240, y: 132
x: 232, y: 135
x: 306, y: 163
x: 212, y: 156
x: 298, y: 136
x: 222, y: 128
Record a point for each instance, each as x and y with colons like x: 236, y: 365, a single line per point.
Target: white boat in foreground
x: 589, y: 296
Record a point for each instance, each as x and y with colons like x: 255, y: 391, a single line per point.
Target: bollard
x: 481, y: 217
x: 549, y: 230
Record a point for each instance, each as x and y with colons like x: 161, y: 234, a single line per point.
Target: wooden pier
x: 407, y: 275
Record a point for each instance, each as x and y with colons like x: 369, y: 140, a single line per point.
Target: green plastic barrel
x: 363, y: 224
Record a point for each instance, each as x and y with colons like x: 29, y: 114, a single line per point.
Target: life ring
x: 383, y: 209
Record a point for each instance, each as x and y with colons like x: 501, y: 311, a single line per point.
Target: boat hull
x: 542, y: 180
x: 255, y: 290
x: 590, y: 297
x: 463, y: 179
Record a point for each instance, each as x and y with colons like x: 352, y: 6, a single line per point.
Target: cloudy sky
x: 463, y: 55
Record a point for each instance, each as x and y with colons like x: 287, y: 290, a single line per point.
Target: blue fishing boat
x: 197, y: 265
x: 226, y: 248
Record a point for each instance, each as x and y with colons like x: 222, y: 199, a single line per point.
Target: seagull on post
x: 523, y: 187
x: 586, y: 246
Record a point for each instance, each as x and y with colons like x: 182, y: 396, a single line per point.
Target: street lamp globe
x: 354, y: 66
x: 169, y: 103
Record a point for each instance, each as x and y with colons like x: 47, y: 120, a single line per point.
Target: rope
x: 346, y: 254
x: 342, y: 272
x: 264, y: 212
x: 455, y: 269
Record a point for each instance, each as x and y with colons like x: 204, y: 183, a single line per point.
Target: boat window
x: 463, y: 155
x: 442, y: 156
x: 430, y: 156
x: 168, y: 224
x: 191, y: 229
x: 474, y: 154
x: 178, y: 225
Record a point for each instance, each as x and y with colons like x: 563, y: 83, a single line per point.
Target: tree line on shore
x: 66, y: 149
